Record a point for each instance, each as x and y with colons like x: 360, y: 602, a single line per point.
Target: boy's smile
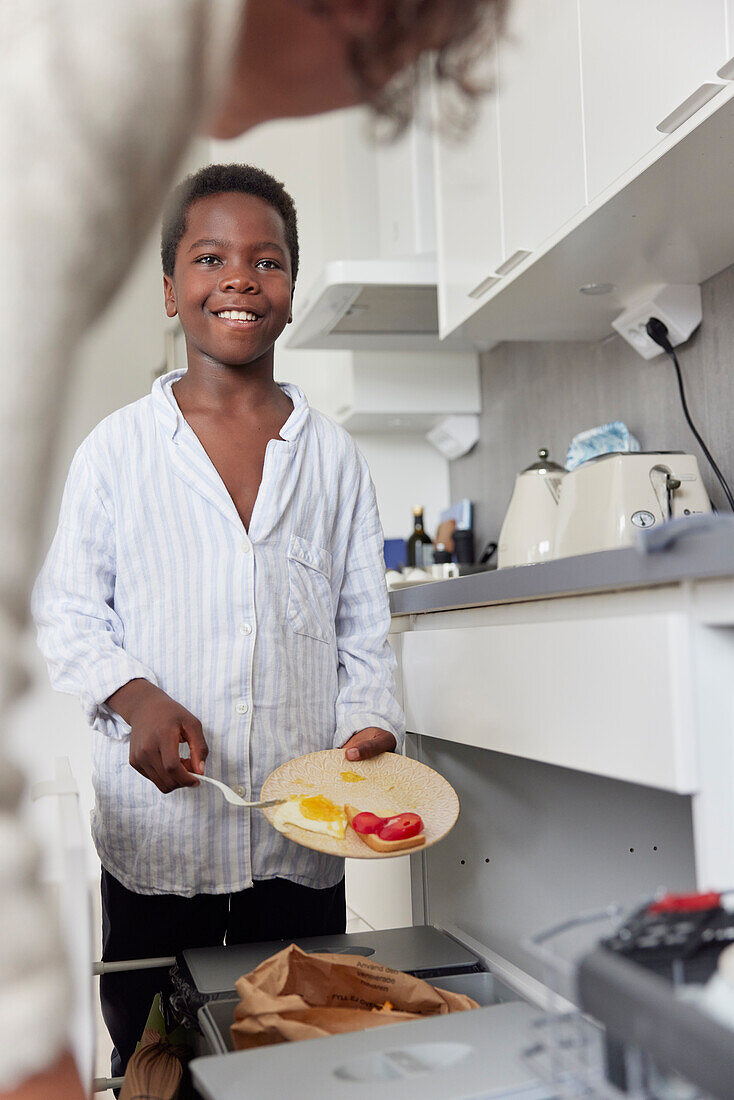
x: 231, y: 285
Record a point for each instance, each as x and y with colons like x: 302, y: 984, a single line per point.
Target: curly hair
x: 218, y: 179
x: 453, y: 34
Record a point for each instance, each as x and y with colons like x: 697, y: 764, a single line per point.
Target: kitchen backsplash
x: 541, y: 394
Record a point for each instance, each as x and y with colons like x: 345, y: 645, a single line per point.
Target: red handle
x: 685, y: 903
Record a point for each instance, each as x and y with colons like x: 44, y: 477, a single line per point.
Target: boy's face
x: 232, y: 257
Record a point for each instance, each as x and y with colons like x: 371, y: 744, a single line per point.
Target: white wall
x: 406, y: 471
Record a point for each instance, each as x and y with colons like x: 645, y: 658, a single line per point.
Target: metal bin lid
x: 420, y: 950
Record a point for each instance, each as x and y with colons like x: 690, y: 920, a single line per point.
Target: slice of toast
x: 378, y: 845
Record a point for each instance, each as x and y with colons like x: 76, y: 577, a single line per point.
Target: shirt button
x: 245, y: 547
x: 241, y: 708
x: 245, y: 628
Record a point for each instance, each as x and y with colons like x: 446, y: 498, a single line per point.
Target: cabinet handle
x: 504, y: 269
x: 486, y: 284
x: 510, y: 264
x: 688, y: 107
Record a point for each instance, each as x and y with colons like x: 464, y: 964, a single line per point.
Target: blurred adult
x: 98, y: 103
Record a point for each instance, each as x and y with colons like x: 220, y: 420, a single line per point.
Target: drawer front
x: 610, y: 696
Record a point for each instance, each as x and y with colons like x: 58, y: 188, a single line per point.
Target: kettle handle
x: 487, y: 553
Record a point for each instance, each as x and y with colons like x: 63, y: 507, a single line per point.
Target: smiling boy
x: 216, y: 579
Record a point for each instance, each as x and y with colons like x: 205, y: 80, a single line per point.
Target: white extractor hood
x: 374, y: 305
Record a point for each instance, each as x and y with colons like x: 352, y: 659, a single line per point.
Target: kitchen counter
x: 695, y: 552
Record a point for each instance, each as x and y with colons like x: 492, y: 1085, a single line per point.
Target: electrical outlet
x: 677, y: 306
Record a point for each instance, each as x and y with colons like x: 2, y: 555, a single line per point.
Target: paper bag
x: 294, y: 996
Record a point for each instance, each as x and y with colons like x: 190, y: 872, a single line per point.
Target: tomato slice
x: 367, y: 823
x: 400, y: 827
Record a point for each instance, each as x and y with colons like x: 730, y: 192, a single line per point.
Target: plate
x: 390, y: 784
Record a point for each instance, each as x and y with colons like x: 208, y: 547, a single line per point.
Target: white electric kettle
x: 528, y: 531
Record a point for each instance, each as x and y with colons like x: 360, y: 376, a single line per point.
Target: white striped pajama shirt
x: 276, y: 638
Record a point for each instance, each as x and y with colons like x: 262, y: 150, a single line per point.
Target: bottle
x: 419, y: 544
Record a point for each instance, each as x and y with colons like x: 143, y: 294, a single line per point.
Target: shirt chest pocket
x: 310, y: 609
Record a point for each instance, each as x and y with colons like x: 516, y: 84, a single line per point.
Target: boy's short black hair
x: 218, y: 179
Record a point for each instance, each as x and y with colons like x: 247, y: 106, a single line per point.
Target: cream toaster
x: 604, y: 500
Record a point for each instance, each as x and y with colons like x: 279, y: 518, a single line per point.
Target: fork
x: 234, y: 795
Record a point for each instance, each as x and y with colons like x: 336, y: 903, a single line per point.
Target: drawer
x: 465, y: 1054
x: 606, y: 695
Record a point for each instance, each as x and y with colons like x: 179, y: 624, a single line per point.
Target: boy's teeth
x: 237, y: 315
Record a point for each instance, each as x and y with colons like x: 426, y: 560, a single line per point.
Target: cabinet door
x: 541, y: 125
x: 640, y: 61
x: 468, y: 214
x: 405, y: 195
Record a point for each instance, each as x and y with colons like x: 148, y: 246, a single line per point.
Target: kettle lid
x: 544, y: 465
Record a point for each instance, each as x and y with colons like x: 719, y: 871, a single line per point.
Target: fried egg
x: 314, y: 813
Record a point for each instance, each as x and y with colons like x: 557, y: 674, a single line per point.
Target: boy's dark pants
x: 137, y: 926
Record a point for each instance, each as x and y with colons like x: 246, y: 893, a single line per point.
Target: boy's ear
x: 169, y: 296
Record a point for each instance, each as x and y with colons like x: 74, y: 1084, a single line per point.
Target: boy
x: 216, y: 579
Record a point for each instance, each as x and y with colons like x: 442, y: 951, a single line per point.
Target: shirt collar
x: 171, y: 416
x: 296, y: 422
x: 165, y: 403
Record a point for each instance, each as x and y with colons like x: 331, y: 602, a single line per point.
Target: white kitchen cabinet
x: 609, y: 695
x: 634, y: 686
x: 541, y: 124
x: 640, y: 62
x: 468, y: 215
x: 520, y: 174
x: 406, y: 213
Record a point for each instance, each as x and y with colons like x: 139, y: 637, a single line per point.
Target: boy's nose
x: 240, y: 281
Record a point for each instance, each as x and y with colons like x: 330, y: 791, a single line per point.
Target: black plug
x: 658, y: 331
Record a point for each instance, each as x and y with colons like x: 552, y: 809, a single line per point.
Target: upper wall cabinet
x: 599, y: 164
x: 468, y: 213
x: 520, y: 175
x: 644, y: 64
x: 541, y: 127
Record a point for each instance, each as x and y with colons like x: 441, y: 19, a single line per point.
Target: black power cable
x: 658, y: 331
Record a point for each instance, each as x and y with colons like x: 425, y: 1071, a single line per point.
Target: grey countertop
x: 682, y: 551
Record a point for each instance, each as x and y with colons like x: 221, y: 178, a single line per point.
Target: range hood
x: 374, y: 305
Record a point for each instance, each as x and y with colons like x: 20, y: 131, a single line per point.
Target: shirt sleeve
x: 366, y: 661
x: 79, y: 633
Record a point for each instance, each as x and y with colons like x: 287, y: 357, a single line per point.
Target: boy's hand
x: 369, y: 742
x: 158, y: 725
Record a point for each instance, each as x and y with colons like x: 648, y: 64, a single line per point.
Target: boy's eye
x: 207, y: 260
x: 269, y: 264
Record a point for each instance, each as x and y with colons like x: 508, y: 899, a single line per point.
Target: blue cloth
x: 603, y: 440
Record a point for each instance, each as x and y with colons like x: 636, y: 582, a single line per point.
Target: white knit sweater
x: 98, y: 101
